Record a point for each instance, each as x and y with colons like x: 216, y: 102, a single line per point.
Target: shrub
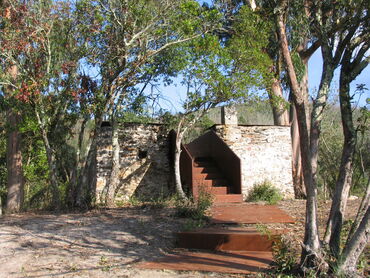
x: 284, y: 256
x: 194, y: 208
x: 265, y: 191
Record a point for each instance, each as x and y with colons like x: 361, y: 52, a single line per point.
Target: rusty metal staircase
x: 209, y: 177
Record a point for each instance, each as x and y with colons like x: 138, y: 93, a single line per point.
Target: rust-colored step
x: 237, y: 239
x: 242, y: 262
x: 219, y: 190
x: 202, y: 170
x: 228, y: 198
x: 208, y: 176
x: 246, y: 213
x: 215, y: 190
x: 210, y: 183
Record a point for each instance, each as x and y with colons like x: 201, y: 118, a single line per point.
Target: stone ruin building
x: 227, y: 160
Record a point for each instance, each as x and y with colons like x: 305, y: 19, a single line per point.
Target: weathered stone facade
x: 265, y: 153
x: 144, y: 161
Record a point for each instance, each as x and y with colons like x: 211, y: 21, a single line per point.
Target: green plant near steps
x: 284, y: 256
x: 265, y: 191
x: 194, y: 208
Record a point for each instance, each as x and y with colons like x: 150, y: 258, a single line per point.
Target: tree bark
x: 85, y: 188
x: 113, y: 182
x: 355, y: 247
x: 351, y: 66
x: 15, y: 182
x: 279, y: 111
x: 344, y: 181
x: 311, y: 238
x: 298, y: 179
x: 73, y: 186
x: 318, y: 109
x: 361, y: 212
x: 178, y: 183
x: 53, y: 175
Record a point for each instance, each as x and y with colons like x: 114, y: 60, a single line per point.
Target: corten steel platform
x: 227, y: 239
x: 243, y: 213
x: 237, y: 262
x: 227, y: 249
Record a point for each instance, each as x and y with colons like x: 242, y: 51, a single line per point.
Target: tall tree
x: 335, y: 25
x: 353, y: 62
x: 213, y: 76
x: 124, y: 38
x: 42, y: 50
x: 9, y: 77
x: 275, y: 80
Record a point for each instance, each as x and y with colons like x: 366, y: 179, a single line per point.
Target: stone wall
x: 144, y: 161
x: 265, y: 153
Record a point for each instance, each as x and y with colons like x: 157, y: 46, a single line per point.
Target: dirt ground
x: 105, y: 243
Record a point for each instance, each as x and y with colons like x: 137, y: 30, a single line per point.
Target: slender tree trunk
x: 361, y: 212
x: 113, y: 182
x: 318, y: 109
x: 73, y: 187
x: 53, y: 176
x: 178, y: 183
x: 15, y: 181
x: 311, y: 239
x: 298, y: 179
x: 84, y: 194
x: 279, y: 111
x: 355, y: 247
x: 344, y: 181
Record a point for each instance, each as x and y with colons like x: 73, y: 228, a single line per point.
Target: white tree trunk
x: 178, y: 182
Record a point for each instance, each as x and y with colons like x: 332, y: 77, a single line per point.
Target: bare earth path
x: 103, y: 243
x: 95, y: 244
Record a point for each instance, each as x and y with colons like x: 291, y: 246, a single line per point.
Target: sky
x: 174, y: 94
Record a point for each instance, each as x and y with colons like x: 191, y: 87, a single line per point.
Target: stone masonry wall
x: 265, y: 153
x: 144, y: 160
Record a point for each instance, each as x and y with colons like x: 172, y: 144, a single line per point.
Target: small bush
x: 284, y: 256
x: 265, y: 191
x: 194, y: 209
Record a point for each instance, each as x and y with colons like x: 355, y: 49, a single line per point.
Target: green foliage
x: 246, y: 47
x: 330, y: 151
x: 264, y: 191
x: 198, y: 129
x: 193, y: 224
x: 285, y: 257
x: 194, y: 209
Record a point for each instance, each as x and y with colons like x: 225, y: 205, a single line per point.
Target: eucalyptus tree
x: 9, y: 76
x: 354, y: 60
x: 213, y: 76
x: 334, y: 25
x: 39, y: 50
x: 123, y: 39
x: 275, y: 80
